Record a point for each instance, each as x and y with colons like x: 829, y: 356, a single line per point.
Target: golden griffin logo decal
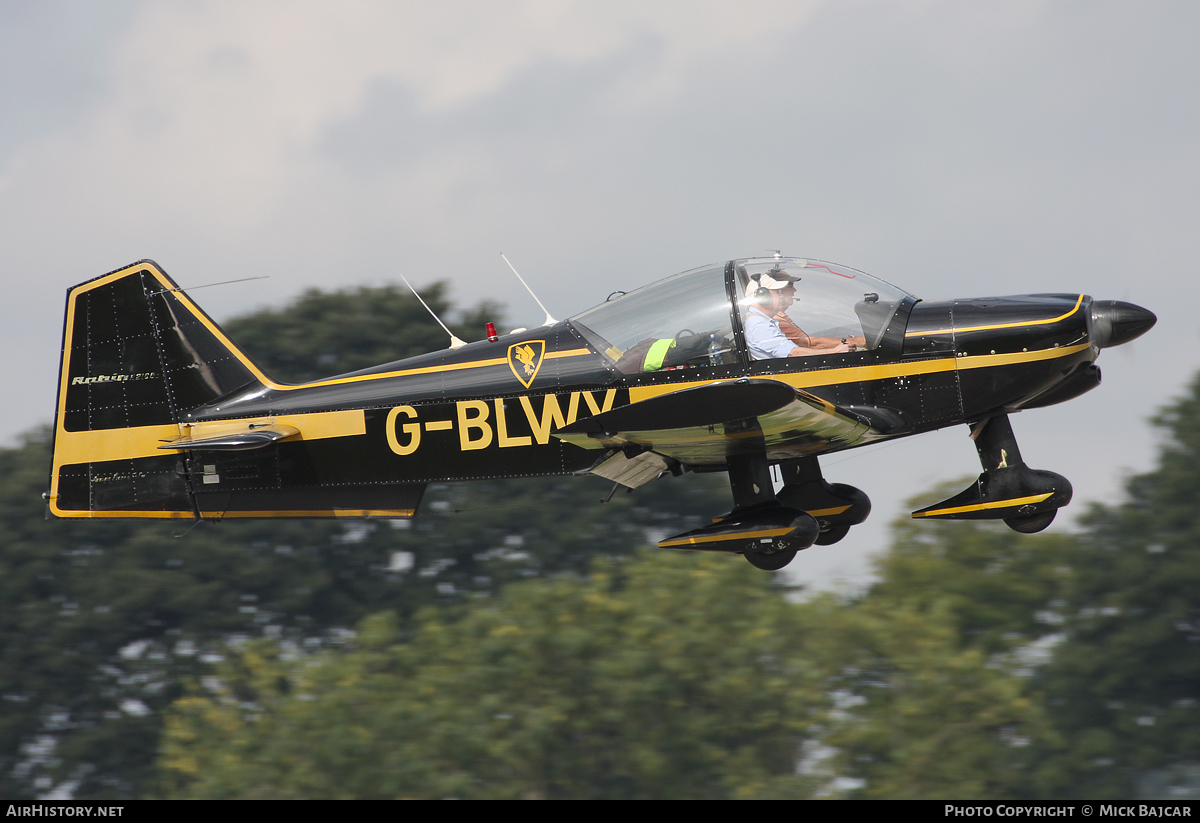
x: 525, y: 359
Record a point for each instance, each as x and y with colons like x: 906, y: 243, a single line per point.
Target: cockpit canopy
x: 697, y: 318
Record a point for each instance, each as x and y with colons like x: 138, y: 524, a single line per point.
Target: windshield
x: 831, y: 308
x: 681, y: 322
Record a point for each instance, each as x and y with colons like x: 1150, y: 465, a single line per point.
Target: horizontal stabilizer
x: 251, y: 437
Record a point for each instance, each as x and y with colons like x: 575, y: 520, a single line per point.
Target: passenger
x: 770, y: 333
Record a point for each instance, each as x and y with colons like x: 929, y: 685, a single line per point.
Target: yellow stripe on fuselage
x: 473, y: 364
x: 99, y: 445
x: 178, y: 514
x: 1013, y: 325
x: 883, y: 371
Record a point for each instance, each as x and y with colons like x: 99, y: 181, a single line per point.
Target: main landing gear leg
x: 836, y: 506
x: 754, y: 497
x: 1025, y: 499
x: 750, y: 482
x: 759, y: 528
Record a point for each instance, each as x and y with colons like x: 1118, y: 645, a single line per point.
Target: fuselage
x: 160, y: 414
x: 479, y: 411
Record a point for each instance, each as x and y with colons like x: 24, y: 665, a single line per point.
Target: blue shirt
x: 763, y: 336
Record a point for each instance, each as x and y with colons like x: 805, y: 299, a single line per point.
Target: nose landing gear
x: 1025, y: 499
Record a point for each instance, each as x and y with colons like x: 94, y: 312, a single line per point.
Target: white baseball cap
x: 776, y: 279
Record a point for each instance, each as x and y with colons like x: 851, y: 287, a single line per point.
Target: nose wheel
x: 1031, y: 524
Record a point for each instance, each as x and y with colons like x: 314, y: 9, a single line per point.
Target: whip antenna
x: 186, y: 289
x: 455, y: 343
x: 550, y: 321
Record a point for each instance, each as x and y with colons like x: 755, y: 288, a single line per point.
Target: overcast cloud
x: 953, y: 148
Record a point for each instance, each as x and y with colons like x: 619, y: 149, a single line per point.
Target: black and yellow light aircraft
x: 161, y: 415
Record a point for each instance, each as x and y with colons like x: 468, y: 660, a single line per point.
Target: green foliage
x: 1125, y: 685
x: 930, y: 666
x: 994, y: 584
x: 661, y: 676
x: 919, y: 687
x: 473, y: 538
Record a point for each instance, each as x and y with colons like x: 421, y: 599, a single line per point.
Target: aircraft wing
x: 705, y: 425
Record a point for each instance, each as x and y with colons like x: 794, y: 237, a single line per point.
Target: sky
x: 954, y: 148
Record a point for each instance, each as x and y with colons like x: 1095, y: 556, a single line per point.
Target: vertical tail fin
x: 137, y: 355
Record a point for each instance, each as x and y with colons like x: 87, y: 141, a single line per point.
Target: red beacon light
x: 491, y: 333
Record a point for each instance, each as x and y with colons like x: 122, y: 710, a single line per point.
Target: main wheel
x: 1032, y: 523
x: 832, y: 535
x: 771, y: 562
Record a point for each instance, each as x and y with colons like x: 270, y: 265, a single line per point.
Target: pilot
x: 770, y: 333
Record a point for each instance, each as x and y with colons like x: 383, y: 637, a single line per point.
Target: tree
x: 932, y: 665
x: 656, y: 676
x: 1124, y: 686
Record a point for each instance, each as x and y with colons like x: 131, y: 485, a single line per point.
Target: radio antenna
x: 455, y: 343
x: 550, y: 321
x: 207, y: 285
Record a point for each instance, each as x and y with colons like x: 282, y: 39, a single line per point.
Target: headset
x: 762, y: 295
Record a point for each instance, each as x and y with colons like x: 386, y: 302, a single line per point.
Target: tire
x: 1031, y: 524
x: 770, y: 562
x: 832, y: 535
